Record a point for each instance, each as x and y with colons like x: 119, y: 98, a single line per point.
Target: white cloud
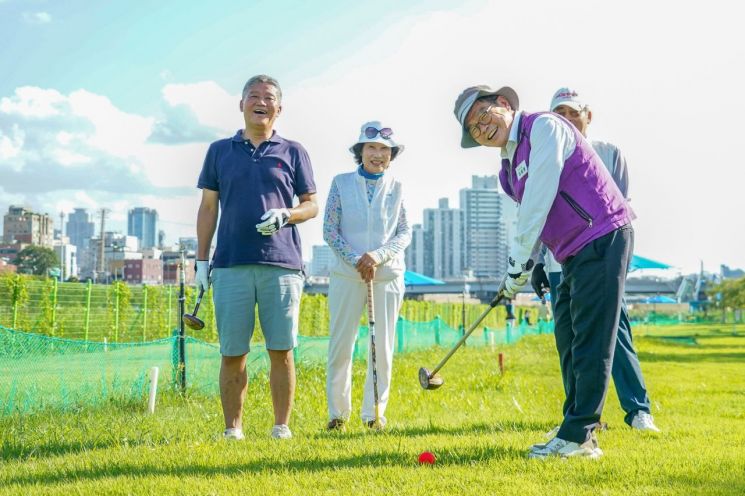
x: 30, y: 101
x: 211, y: 103
x: 37, y: 17
x: 11, y: 144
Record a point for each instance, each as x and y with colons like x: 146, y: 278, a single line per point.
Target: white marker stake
x: 153, y: 390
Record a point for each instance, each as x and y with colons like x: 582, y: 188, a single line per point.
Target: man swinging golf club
x: 568, y: 201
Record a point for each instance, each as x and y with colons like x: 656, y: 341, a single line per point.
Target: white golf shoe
x: 233, y: 434
x: 644, y: 422
x: 568, y: 449
x: 549, y: 435
x: 281, y: 431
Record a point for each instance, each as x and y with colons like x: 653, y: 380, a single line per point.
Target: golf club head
x: 429, y: 381
x: 193, y: 322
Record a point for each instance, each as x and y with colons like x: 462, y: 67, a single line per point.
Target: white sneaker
x: 233, y: 434
x: 281, y: 431
x: 568, y: 449
x: 549, y: 435
x: 644, y: 422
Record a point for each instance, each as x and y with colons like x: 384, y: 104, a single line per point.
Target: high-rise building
x: 142, y: 222
x: 488, y: 214
x: 443, y: 234
x: 23, y: 226
x: 417, y: 255
x: 323, y: 257
x: 80, y: 229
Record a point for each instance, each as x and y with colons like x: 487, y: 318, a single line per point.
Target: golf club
x: 371, y: 327
x: 431, y: 380
x: 190, y: 319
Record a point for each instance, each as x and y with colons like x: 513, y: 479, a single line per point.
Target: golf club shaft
x: 199, y: 300
x: 371, y: 328
x: 201, y: 291
x: 473, y: 327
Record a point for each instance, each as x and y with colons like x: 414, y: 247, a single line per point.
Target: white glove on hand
x: 274, y: 219
x: 202, y: 277
x: 514, y: 283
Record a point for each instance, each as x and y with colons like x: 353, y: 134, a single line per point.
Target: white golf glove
x: 202, y: 277
x: 274, y: 219
x: 515, y: 281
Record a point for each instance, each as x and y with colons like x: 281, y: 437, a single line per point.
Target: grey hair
x: 262, y: 78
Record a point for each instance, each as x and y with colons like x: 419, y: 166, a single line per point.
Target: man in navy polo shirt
x: 252, y: 179
x: 568, y: 201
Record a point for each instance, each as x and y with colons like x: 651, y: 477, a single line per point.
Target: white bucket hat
x: 375, y: 132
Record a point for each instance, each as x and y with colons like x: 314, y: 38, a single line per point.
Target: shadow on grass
x: 454, y: 430
x: 388, y: 459
x: 17, y: 452
x: 692, y: 357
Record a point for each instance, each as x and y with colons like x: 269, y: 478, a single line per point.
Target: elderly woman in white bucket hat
x: 365, y: 226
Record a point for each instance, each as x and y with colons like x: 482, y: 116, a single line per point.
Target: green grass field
x: 479, y: 425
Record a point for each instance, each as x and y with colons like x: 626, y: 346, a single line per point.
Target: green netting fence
x: 39, y: 372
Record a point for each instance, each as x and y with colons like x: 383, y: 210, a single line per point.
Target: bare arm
x: 207, y: 222
x: 306, y: 209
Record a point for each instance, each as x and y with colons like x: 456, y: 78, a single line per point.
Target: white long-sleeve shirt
x: 552, y: 142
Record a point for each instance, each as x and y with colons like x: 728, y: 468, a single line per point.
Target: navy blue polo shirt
x: 250, y: 181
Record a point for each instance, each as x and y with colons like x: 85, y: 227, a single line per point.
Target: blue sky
x: 114, y: 103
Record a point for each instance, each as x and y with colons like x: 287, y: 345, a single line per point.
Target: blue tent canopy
x: 638, y: 262
x: 417, y: 279
x: 660, y: 299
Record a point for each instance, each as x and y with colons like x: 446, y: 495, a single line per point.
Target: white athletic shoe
x: 568, y: 449
x: 281, y: 431
x: 233, y: 434
x: 549, y: 435
x: 644, y: 422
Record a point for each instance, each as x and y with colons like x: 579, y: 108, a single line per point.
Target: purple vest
x: 588, y: 204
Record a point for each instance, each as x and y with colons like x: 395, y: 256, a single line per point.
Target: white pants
x: 347, y: 302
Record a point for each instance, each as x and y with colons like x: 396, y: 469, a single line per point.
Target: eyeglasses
x: 484, y: 119
x: 385, y: 133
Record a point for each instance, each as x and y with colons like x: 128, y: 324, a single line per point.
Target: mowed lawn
x: 479, y: 425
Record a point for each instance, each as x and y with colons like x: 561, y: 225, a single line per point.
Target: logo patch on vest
x: 521, y: 170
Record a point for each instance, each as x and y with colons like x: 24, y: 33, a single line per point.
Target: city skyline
x: 78, y: 131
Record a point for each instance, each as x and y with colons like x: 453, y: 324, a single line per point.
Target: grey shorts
x: 237, y: 290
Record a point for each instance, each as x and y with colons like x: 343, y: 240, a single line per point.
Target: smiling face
x: 376, y: 157
x: 580, y: 119
x: 489, y: 122
x: 261, y: 106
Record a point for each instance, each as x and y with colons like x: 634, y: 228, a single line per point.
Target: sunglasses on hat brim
x: 385, y: 133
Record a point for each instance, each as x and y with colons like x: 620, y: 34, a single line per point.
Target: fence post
x: 87, y: 308
x: 438, y: 325
x: 54, y: 307
x: 116, y: 312
x: 144, y: 314
x: 16, y: 297
x: 400, y: 333
x: 170, y: 307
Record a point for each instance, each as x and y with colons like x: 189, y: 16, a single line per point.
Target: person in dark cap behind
x: 569, y: 202
x: 626, y: 371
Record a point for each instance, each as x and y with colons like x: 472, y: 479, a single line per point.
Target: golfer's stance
x: 569, y: 201
x: 365, y: 225
x: 252, y: 178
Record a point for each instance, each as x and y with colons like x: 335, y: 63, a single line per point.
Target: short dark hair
x: 357, y: 152
x: 262, y: 78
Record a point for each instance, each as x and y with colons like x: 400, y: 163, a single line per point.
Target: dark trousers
x: 587, y: 311
x: 626, y: 370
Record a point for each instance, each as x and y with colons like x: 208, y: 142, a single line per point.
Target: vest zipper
x: 577, y: 208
